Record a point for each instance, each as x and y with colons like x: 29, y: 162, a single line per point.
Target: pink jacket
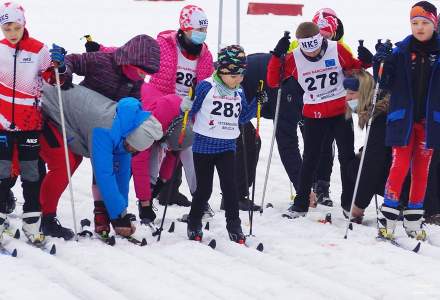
x: 152, y: 94
x: 164, y: 109
x: 165, y: 79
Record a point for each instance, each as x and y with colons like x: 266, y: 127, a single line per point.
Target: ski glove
x: 261, y: 97
x: 156, y: 188
x: 364, y: 55
x: 57, y: 54
x: 384, y: 50
x: 186, y: 104
x: 282, y: 46
x: 92, y: 46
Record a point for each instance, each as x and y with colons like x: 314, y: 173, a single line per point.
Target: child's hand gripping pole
x: 191, y: 94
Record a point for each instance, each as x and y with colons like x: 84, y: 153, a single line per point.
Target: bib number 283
x: 322, y: 79
x: 226, y: 109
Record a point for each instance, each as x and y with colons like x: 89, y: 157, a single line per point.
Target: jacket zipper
x: 12, y: 126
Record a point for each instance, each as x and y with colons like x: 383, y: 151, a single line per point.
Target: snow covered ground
x: 302, y: 258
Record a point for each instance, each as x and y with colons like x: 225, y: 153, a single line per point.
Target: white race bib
x: 321, y: 80
x: 218, y: 117
x: 185, y: 75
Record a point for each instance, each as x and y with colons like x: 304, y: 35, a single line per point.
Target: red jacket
x: 321, y: 110
x: 22, y: 107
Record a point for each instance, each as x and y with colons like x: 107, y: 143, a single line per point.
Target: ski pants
x: 416, y: 156
x: 315, y: 133
x: 204, y: 166
x: 26, y: 145
x: 55, y: 181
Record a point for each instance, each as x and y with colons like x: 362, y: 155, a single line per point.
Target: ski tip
x: 212, y: 244
x: 53, y: 250
x: 85, y: 223
x: 143, y: 242
x: 260, y: 247
x: 207, y: 226
x: 17, y: 234
x: 172, y: 226
x: 14, y: 253
x: 417, y: 247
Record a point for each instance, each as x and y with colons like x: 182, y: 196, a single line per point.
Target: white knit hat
x: 12, y: 12
x: 146, y: 134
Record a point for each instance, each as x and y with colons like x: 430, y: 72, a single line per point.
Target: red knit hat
x: 424, y: 9
x: 192, y: 17
x: 327, y: 22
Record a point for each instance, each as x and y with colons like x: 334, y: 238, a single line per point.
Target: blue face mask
x: 353, y: 104
x: 198, y: 37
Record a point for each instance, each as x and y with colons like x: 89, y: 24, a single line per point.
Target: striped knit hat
x: 424, y: 9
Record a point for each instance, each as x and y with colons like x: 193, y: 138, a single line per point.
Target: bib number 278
x: 321, y: 79
x: 226, y: 109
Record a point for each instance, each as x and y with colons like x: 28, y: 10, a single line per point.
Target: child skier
x: 24, y: 62
x: 318, y: 66
x: 412, y: 75
x: 219, y: 107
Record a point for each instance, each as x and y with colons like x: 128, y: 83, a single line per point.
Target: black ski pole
x: 257, y: 137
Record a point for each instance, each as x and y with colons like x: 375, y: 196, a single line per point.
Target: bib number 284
x: 226, y: 109
x: 321, y: 79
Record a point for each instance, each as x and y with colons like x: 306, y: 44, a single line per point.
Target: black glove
x: 384, y: 50
x: 92, y: 46
x: 67, y: 85
x: 365, y: 56
x: 157, y: 188
x: 283, y: 46
x: 261, y: 97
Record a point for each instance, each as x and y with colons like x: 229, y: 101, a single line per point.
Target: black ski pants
x: 315, y: 132
x: 204, y: 167
x: 28, y: 146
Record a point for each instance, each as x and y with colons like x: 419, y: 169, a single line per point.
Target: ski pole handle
x: 191, y: 94
x: 88, y: 38
x: 361, y: 43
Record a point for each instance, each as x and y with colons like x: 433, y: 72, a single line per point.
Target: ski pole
x: 66, y: 151
x: 191, y: 93
x: 257, y: 137
x: 88, y: 38
x: 220, y: 24
x: 356, y: 186
x: 275, y: 123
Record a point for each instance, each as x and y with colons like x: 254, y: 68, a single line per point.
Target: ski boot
x: 243, y: 204
x: 146, y: 213
x: 102, y: 221
x: 208, y: 213
x: 412, y: 222
x: 31, y: 228
x: 235, y: 232
x: 387, y: 221
x: 10, y: 203
x: 294, y: 212
x: 357, y: 215
x: 52, y: 227
x: 322, y: 191
x: 194, y: 231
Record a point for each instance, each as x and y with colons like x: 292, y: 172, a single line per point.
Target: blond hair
x: 366, y: 91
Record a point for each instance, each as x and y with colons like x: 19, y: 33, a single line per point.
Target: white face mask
x: 353, y: 104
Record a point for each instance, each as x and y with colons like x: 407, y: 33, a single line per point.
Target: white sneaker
x: 293, y: 213
x: 31, y: 227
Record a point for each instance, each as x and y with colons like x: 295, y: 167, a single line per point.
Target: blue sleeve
x: 202, y: 90
x: 123, y: 174
x: 103, y: 168
x: 248, y: 111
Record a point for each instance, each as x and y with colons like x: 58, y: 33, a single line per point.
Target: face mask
x: 353, y: 104
x: 133, y: 73
x: 198, y: 37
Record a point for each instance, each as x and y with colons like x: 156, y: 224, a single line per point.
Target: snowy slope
x: 302, y: 258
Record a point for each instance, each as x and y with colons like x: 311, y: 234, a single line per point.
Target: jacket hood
x: 142, y: 51
x: 129, y: 116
